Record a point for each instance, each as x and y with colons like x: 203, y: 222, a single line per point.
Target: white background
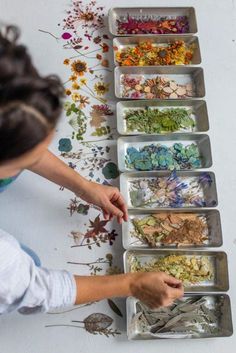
x: 34, y: 211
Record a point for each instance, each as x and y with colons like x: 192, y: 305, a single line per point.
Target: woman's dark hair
x: 30, y: 104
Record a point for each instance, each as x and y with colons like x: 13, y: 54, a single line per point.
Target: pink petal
x: 66, y: 35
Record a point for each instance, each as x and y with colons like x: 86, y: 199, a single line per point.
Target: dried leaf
x: 97, y: 322
x: 114, y: 307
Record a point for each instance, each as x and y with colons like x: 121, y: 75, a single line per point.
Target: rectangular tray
x: 220, y: 282
x: 182, y: 75
x: 117, y: 12
x: 123, y: 42
x: 212, y: 220
x: 198, y: 107
x: 202, y: 142
x: 210, y: 193
x: 225, y: 324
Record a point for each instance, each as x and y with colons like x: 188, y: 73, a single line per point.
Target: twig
x: 61, y: 325
x: 67, y: 311
x: 41, y: 30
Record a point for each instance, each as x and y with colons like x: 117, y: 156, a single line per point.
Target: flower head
x: 79, y: 67
x: 66, y: 62
x: 83, y: 81
x: 76, y: 86
x: 68, y: 92
x: 83, y: 100
x: 75, y: 97
x: 73, y: 78
x: 101, y: 88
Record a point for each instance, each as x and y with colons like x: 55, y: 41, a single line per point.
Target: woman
x: 30, y: 106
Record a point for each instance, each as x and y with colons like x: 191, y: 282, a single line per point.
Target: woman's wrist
x: 95, y: 288
x: 80, y: 186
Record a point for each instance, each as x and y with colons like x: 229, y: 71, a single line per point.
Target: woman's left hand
x: 108, y: 198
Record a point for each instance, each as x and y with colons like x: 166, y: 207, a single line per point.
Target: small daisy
x: 75, y: 97
x: 101, y: 88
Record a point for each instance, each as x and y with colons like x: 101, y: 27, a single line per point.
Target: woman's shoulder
x: 7, y: 239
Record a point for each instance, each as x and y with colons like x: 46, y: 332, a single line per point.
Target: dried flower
x: 172, y: 191
x: 76, y: 86
x: 105, y: 47
x: 88, y: 16
x: 66, y: 62
x: 83, y: 81
x: 101, y: 88
x: 67, y: 91
x: 83, y: 102
x: 105, y: 63
x: 152, y: 24
x: 148, y: 54
x: 190, y: 270
x: 73, y: 78
x: 79, y: 67
x: 161, y: 87
x: 75, y: 97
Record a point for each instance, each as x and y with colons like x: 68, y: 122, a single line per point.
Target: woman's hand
x: 107, y: 197
x: 155, y: 289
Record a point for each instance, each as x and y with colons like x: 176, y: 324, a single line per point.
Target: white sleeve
x: 28, y: 288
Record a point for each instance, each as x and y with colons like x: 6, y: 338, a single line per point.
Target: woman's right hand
x: 155, y: 289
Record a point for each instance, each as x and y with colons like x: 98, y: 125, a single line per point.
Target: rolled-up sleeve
x: 28, y: 288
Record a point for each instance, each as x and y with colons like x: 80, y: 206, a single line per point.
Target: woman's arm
x: 29, y: 289
x: 154, y: 288
x: 108, y: 198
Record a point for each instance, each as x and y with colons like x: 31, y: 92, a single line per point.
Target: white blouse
x: 28, y: 288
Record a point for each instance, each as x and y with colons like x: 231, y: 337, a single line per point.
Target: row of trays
x: 196, y: 196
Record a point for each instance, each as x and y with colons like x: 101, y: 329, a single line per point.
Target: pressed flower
x: 66, y: 35
x: 76, y: 86
x: 68, y: 92
x: 161, y: 87
x: 87, y: 16
x: 101, y: 88
x: 66, y: 62
x: 105, y: 47
x: 99, y: 56
x: 83, y: 81
x: 152, y: 25
x: 83, y: 100
x: 75, y: 97
x: 73, y: 78
x: 105, y: 63
x: 103, y: 109
x: 147, y: 54
x: 79, y: 67
x: 97, y: 40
